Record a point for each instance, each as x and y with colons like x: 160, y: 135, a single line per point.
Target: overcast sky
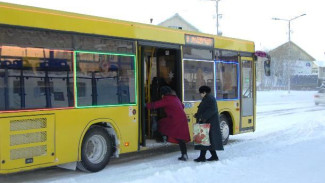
x: 244, y: 19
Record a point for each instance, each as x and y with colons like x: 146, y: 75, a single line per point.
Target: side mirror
x: 267, y: 67
x: 267, y: 62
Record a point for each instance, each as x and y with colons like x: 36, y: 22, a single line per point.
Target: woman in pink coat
x: 174, y: 126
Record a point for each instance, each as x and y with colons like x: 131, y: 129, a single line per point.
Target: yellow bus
x: 73, y: 87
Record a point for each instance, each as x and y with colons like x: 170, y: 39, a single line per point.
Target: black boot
x: 213, y: 157
x: 184, y: 157
x: 182, y: 147
x: 201, y: 158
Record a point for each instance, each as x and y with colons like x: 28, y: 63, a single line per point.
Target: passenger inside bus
x: 160, y: 71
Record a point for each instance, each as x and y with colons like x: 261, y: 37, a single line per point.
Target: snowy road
x: 288, y: 146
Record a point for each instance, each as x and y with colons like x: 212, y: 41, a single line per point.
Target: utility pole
x: 289, y: 49
x: 217, y: 15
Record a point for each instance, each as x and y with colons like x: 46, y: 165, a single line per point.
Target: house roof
x: 283, y: 50
x: 177, y: 16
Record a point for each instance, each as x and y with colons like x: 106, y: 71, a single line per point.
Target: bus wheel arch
x: 226, y: 126
x: 98, y: 144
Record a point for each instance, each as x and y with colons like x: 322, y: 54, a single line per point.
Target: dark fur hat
x: 165, y: 90
x: 205, y: 89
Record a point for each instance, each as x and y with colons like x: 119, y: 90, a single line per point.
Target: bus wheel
x: 224, y: 127
x: 96, y: 150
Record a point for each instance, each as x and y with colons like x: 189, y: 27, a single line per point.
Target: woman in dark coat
x: 174, y: 126
x: 208, y: 113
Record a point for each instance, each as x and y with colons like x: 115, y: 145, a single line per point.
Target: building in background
x: 177, y: 22
x: 290, y: 61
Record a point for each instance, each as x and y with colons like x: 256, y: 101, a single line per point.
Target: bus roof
x: 26, y: 16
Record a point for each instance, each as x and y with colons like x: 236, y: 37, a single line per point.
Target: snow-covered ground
x: 288, y: 146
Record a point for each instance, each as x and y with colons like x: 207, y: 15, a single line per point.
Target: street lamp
x: 289, y: 34
x: 289, y: 22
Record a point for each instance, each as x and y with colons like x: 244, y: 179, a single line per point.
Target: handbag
x: 201, y: 134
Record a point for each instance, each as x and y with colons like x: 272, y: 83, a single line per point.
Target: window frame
x: 238, y: 80
x: 183, y: 87
x: 48, y: 91
x: 108, y: 105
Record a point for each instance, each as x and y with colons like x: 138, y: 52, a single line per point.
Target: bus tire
x: 96, y: 150
x: 225, y: 128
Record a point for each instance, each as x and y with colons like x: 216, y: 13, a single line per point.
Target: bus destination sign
x: 198, y: 40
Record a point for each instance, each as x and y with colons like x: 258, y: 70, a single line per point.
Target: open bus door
x: 160, y: 65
